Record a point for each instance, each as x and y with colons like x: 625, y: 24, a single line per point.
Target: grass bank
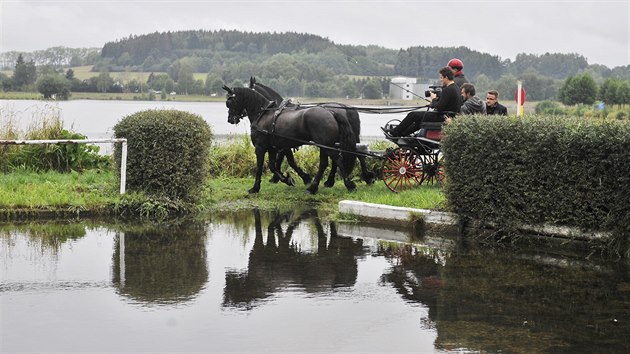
x: 26, y: 194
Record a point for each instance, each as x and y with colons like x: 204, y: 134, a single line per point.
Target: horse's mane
x: 249, y: 94
x: 266, y: 91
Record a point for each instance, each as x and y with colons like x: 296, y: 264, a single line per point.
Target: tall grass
x: 45, y: 124
x: 235, y: 157
x: 233, y: 165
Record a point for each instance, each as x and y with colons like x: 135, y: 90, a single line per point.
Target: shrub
x: 58, y: 157
x: 549, y: 108
x: 540, y: 169
x: 167, y: 152
x: 47, y: 125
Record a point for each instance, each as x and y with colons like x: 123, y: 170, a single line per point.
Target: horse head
x: 236, y: 110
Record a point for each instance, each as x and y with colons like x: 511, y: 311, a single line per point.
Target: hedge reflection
x: 493, y: 301
x: 161, y: 264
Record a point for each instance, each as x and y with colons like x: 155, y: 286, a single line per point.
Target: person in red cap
x: 458, y: 66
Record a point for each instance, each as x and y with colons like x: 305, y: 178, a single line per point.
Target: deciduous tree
x: 578, y: 89
x: 53, y: 86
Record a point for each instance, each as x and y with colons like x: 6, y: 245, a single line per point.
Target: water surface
x: 97, y: 118
x: 286, y: 282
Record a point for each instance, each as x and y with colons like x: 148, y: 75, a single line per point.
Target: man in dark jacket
x: 492, y: 104
x: 472, y: 104
x: 448, y: 103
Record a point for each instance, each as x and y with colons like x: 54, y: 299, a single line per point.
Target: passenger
x: 492, y: 104
x: 447, y: 103
x: 472, y: 104
x: 458, y: 67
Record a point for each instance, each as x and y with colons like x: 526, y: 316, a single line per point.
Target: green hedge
x: 540, y: 169
x: 167, y: 152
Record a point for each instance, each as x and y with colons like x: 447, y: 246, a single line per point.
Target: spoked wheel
x: 432, y: 169
x: 402, y: 170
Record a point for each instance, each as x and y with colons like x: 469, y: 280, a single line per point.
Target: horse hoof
x: 254, y: 190
x: 351, y: 186
x: 369, y: 179
x: 290, y: 181
x: 329, y: 184
x: 274, y: 180
x: 307, y: 180
x: 311, y: 190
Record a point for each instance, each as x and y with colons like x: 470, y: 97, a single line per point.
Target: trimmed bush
x: 167, y: 152
x: 549, y: 108
x: 537, y: 169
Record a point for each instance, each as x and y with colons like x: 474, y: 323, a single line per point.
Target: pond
x: 97, y: 118
x: 288, y: 282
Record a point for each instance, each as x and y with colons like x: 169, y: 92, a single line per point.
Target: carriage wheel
x: 402, y: 170
x: 432, y: 169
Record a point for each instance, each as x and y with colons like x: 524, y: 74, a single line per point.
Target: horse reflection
x: 280, y: 262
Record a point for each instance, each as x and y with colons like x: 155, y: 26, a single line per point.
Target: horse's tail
x: 347, y: 142
x: 355, y: 123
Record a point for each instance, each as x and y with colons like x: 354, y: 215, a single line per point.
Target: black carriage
x: 416, y: 160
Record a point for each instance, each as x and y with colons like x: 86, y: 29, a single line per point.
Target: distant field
x: 84, y: 72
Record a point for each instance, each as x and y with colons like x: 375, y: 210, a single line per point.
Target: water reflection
x: 160, y: 264
x: 493, y: 301
x: 277, y: 262
x: 45, y: 236
x: 361, y: 294
x: 416, y: 273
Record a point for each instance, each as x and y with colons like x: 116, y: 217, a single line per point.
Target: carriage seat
x: 433, y: 130
x: 429, y: 130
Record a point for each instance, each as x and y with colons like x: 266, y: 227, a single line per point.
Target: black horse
x: 350, y: 113
x: 272, y: 132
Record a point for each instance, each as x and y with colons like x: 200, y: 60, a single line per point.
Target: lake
x: 96, y: 118
x: 287, y: 282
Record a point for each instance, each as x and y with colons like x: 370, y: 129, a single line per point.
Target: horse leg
x: 347, y: 181
x: 275, y: 168
x: 306, y: 178
x: 260, y: 162
x: 331, y: 176
x: 323, y: 163
x: 366, y: 174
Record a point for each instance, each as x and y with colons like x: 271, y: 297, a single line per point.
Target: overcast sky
x: 597, y: 29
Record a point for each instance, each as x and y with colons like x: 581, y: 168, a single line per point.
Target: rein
x: 385, y: 110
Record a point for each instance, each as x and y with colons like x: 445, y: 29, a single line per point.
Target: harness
x: 277, y: 113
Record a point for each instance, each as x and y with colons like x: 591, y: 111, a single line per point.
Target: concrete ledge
x: 393, y: 213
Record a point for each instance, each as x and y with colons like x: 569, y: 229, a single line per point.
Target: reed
x: 45, y: 124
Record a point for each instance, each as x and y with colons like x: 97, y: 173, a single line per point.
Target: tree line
x: 299, y: 64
